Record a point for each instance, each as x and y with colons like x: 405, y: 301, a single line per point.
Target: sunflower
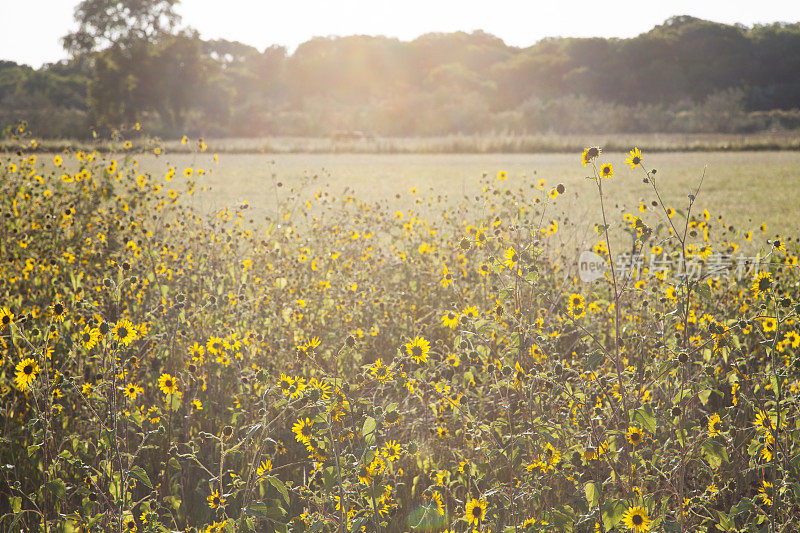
x: 215, y: 500
x: 763, y: 421
x: 450, y: 319
x: 132, y: 391
x: 769, y: 324
x: 391, y: 450
x: 124, y: 332
x: 502, y: 175
x: 576, y: 306
x: 264, y: 467
x: 714, y: 423
x: 635, y: 435
x: 634, y: 158
x: 589, y: 154
x: 302, y: 430
x: 606, y: 170
x: 25, y: 373
x: 167, y: 384
x: 58, y: 311
x: 762, y: 283
x: 129, y: 524
x: 6, y: 317
x: 765, y: 493
x: 636, y: 519
x: 89, y: 337
x: 418, y: 349
x: 475, y: 511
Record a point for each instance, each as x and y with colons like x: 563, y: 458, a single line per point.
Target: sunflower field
x: 343, y: 366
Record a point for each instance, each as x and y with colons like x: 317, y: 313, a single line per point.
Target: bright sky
x: 31, y: 29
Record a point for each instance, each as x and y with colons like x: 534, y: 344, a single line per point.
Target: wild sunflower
x: 502, y: 175
x: 302, y: 430
x: 475, y: 511
x: 769, y: 324
x: 25, y: 373
x: 634, y: 158
x: 90, y: 337
x: 391, y: 450
x: 636, y: 519
x: 606, y: 170
x: 418, y: 349
x: 215, y: 500
x: 589, y: 154
x: 132, y: 391
x: 58, y: 312
x: 129, y: 524
x: 714, y: 423
x: 450, y: 319
x: 762, y: 283
x: 576, y: 306
x: 124, y: 332
x: 264, y: 467
x: 167, y: 384
x: 765, y: 493
x: 6, y: 317
x: 635, y: 435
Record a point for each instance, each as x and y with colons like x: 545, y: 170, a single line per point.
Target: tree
x: 106, y: 23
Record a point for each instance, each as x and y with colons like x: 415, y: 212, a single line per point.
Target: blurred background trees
x: 131, y: 62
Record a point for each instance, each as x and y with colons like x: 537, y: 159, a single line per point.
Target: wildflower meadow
x: 342, y: 365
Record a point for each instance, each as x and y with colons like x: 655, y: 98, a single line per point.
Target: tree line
x: 132, y: 62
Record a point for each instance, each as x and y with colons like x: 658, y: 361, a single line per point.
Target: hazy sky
x: 30, y: 29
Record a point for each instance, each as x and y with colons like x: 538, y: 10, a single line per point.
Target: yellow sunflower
x: 124, y: 332
x: 589, y: 154
x: 302, y: 430
x: 635, y: 435
x: 762, y: 283
x: 215, y: 500
x: 475, y: 511
x: 167, y: 384
x: 636, y: 519
x: 6, y: 317
x: 89, y: 337
x: 418, y: 349
x: 606, y: 170
x: 25, y: 373
x: 634, y: 158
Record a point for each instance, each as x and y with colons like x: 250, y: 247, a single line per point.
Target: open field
x: 451, y: 144
x: 746, y: 188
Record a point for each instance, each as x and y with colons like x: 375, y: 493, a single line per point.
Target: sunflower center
x: 28, y: 370
x: 58, y: 309
x: 477, y: 512
x: 416, y: 351
x: 122, y: 332
x: 637, y: 520
x: 168, y: 383
x: 636, y: 160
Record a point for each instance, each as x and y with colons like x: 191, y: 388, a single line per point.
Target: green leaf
x: 57, y: 488
x: 613, y: 513
x: 279, y: 486
x: 715, y: 453
x: 16, y: 504
x: 368, y: 430
x: 704, y: 394
x: 141, y: 476
x: 592, y: 494
x: 646, y: 417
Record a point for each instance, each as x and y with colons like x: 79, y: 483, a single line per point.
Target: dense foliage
x: 686, y: 75
x: 341, y: 366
